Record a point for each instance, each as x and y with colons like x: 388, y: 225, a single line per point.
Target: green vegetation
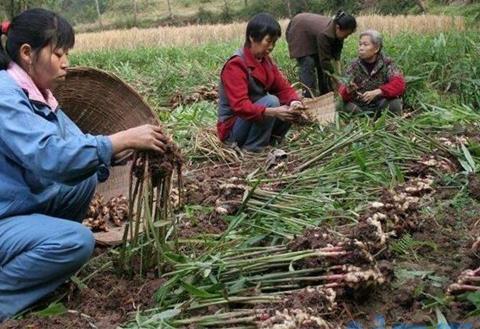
x: 339, y: 169
x: 471, y: 12
x: 441, y: 69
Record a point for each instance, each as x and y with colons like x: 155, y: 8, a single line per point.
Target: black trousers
x: 312, y: 75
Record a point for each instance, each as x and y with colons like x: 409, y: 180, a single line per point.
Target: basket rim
x: 110, y: 75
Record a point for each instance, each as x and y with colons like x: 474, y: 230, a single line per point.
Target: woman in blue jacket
x: 48, y: 167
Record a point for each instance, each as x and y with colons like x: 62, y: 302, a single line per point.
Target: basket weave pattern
x: 100, y: 103
x: 321, y: 109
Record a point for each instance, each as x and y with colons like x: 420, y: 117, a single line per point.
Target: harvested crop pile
x: 395, y: 213
x: 469, y: 280
x: 101, y: 215
x: 202, y: 93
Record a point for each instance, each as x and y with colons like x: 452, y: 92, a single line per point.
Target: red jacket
x: 392, y: 89
x: 234, y: 77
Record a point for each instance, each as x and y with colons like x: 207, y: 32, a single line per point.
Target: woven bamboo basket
x: 319, y: 109
x: 100, y: 103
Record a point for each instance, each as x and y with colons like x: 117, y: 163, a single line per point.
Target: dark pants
x: 373, y: 109
x: 311, y: 74
x: 255, y: 135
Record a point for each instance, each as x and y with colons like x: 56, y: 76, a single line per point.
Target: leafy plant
x: 407, y: 245
x: 54, y: 309
x: 474, y: 299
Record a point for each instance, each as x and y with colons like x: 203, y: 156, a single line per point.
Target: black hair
x: 345, y: 22
x: 37, y: 28
x: 261, y: 25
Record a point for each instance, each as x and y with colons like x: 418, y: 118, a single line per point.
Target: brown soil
x: 309, y: 325
x: 159, y: 166
x: 203, y: 93
x: 310, y: 299
x: 219, y: 190
x: 429, y: 165
x: 452, y: 231
x: 203, y: 185
x: 106, y: 301
x: 67, y: 321
x: 212, y: 223
x: 474, y: 186
x: 313, y: 239
x: 109, y: 300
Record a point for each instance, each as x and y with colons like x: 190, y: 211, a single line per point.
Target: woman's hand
x: 369, y: 96
x: 146, y: 137
x: 351, y: 87
x: 282, y: 112
x: 297, y: 105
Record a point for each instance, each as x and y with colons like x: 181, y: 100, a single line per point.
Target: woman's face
x: 263, y: 48
x: 342, y: 34
x: 367, y: 50
x: 47, y: 66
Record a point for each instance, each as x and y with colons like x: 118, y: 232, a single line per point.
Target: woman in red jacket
x: 376, y: 83
x: 255, y: 100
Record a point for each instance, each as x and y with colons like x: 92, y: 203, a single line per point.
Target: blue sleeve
x: 38, y: 145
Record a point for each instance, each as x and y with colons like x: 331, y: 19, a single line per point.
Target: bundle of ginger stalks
x: 150, y: 222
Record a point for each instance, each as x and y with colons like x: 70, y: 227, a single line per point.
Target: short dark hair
x: 346, y: 22
x: 37, y: 28
x: 261, y: 25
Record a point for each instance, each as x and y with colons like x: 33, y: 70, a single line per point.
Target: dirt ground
x: 108, y: 300
x: 447, y: 225
x: 105, y: 301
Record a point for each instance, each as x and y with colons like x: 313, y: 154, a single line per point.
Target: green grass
x: 440, y: 69
x: 471, y: 12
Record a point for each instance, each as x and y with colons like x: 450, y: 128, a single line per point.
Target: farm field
x: 195, y: 35
x: 269, y: 246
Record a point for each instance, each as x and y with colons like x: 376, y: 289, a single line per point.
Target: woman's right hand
x: 146, y: 137
x: 283, y: 113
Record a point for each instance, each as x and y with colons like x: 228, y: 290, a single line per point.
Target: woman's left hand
x: 369, y: 96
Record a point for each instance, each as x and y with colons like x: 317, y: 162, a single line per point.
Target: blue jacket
x: 40, y: 150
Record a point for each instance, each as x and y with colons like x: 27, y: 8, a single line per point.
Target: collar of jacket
x: 25, y: 82
x: 42, y: 109
x: 252, y: 63
x: 378, y: 64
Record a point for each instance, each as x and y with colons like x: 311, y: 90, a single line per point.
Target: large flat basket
x: 100, y: 103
